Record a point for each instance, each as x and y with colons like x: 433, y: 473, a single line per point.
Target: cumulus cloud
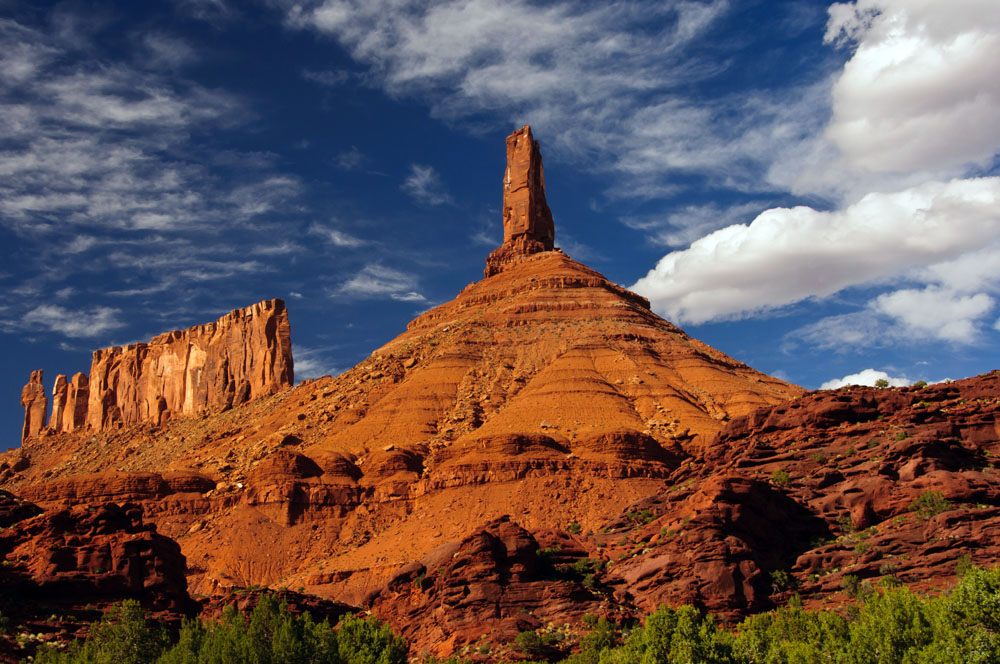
x: 936, y: 313
x: 376, y: 281
x: 424, y: 184
x: 921, y: 91
x: 865, y: 377
x: 88, y: 323
x: 786, y: 255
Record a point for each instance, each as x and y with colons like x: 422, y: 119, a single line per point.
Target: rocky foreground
x: 818, y: 497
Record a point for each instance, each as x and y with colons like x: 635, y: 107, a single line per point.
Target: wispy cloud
x: 334, y: 236
x: 376, y: 281
x: 329, y: 78
x: 313, y: 362
x: 424, y: 184
x: 79, y: 324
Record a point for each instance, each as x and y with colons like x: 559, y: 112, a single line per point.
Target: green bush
x: 271, y: 634
x: 781, y: 478
x: 929, y: 503
x: 881, y: 383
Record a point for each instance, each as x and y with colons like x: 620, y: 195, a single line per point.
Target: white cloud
x: 921, y: 91
x: 351, y: 160
x: 313, y: 362
x: 335, y: 237
x: 788, y: 255
x: 936, y: 313
x: 865, y: 377
x: 377, y: 281
x: 424, y: 184
x: 87, y: 323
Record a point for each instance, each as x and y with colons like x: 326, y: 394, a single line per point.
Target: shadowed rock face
x: 527, y: 221
x: 63, y: 565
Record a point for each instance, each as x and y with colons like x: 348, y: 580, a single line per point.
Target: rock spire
x: 36, y: 404
x: 527, y: 221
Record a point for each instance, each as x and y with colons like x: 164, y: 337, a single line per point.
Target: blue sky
x: 811, y: 188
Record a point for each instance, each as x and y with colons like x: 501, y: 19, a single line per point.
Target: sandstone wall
x: 244, y: 355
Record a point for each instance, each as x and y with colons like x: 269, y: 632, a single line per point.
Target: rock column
x: 35, y: 405
x: 528, y: 227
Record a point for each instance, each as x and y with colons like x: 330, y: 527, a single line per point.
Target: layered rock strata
x: 527, y: 221
x: 242, y: 356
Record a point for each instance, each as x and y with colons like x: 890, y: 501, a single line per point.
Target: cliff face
x: 244, y: 355
x: 527, y: 221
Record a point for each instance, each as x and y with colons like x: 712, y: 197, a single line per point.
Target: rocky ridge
x: 242, y: 356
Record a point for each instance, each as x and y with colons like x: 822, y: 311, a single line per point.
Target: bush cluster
x: 888, y: 627
x: 271, y: 634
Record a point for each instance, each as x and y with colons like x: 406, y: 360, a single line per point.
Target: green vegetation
x: 881, y: 383
x: 574, y: 528
x: 920, y: 384
x: 929, y: 503
x: 269, y: 635
x: 781, y: 478
x: 888, y: 625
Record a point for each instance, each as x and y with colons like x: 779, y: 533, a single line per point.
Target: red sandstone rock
x: 77, y: 397
x: 492, y: 584
x: 244, y: 355
x: 71, y: 563
x: 59, y: 393
x: 527, y: 221
x: 35, y: 406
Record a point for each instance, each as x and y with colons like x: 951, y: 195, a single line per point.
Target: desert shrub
x: 122, y: 636
x: 574, y: 528
x: 881, y: 383
x: 929, y: 503
x: 684, y: 635
x: 781, y: 478
x: 920, y: 384
x: 271, y: 634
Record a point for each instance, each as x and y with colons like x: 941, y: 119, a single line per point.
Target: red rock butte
x: 242, y: 356
x: 543, y: 409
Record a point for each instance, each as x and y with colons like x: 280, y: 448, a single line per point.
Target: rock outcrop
x: 493, y: 585
x: 244, y: 355
x: 77, y: 398
x: 35, y: 406
x: 527, y: 221
x: 60, y: 392
x: 62, y: 566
